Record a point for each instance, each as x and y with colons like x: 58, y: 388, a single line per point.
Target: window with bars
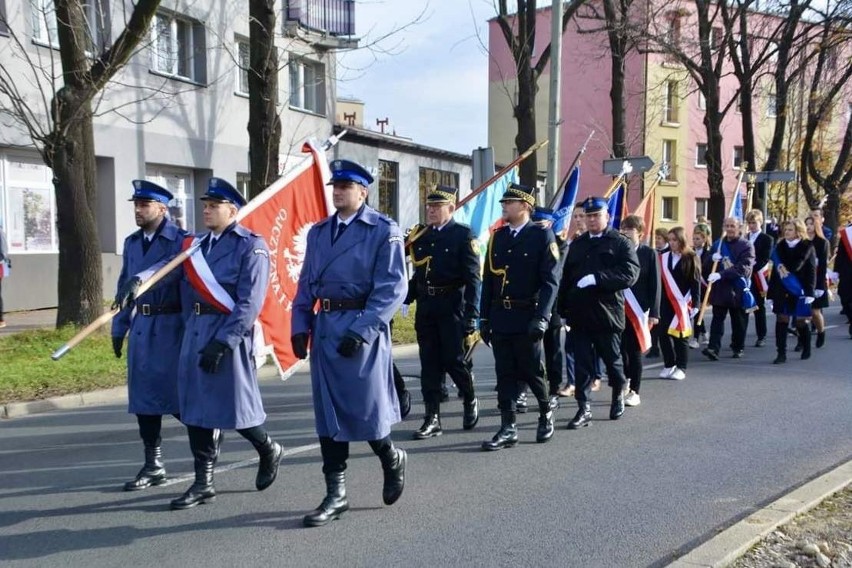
x: 389, y: 189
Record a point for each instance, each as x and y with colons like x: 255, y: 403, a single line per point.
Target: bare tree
x: 519, y: 31
x: 63, y: 134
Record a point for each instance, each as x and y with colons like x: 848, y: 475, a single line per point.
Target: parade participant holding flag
x: 224, y: 286
x: 641, y: 306
x: 601, y: 264
x: 354, y: 272
x: 681, y: 275
x: 762, y: 244
x: 445, y: 284
x: 154, y: 329
x: 733, y: 258
x: 792, y: 286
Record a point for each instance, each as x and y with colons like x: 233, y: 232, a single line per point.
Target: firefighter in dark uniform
x: 601, y: 264
x: 445, y: 284
x: 519, y: 286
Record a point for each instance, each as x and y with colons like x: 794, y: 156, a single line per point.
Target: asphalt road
x: 696, y: 456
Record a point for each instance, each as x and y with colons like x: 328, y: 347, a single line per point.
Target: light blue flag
x: 737, y: 206
x: 562, y: 213
x: 615, y: 207
x: 481, y: 212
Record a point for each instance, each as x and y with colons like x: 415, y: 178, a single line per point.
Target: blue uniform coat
x: 230, y: 398
x: 154, y: 341
x: 354, y: 397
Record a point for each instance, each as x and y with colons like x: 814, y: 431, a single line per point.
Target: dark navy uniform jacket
x: 443, y: 258
x: 520, y: 278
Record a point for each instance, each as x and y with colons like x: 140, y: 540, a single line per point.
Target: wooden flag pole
x: 567, y: 175
x: 106, y: 317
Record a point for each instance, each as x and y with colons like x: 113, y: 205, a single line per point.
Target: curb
x: 118, y: 395
x: 725, y: 548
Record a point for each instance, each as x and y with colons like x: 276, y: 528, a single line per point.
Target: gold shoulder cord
x: 426, y: 260
x: 501, y: 272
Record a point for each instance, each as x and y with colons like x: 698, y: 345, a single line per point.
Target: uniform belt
x: 332, y: 305
x: 154, y: 310
x: 200, y: 309
x: 508, y: 304
x: 438, y: 290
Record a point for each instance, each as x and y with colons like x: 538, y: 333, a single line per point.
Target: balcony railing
x: 333, y: 17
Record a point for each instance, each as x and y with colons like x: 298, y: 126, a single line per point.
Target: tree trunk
x: 716, y: 206
x: 618, y: 53
x: 264, y: 124
x: 525, y: 115
x: 80, y: 282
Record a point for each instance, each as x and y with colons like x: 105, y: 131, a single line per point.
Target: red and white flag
x: 283, y: 214
x: 761, y: 278
x: 638, y: 320
x: 846, y: 239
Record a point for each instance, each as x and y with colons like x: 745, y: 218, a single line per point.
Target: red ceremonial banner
x: 284, y: 220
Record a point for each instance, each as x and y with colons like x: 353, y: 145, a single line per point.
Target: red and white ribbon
x: 202, y: 280
x: 761, y: 278
x: 681, y: 325
x: 638, y: 320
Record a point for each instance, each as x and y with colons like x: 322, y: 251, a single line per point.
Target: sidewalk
x: 17, y: 322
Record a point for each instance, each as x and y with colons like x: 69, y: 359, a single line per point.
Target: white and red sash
x: 202, y: 280
x: 638, y: 320
x: 846, y: 239
x: 681, y: 325
x: 761, y: 278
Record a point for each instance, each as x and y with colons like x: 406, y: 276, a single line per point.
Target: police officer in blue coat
x: 217, y: 378
x: 445, y: 285
x: 519, y: 287
x: 155, y: 327
x: 354, y: 270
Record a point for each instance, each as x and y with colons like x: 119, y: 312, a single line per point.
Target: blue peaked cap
x: 594, y: 204
x: 144, y: 190
x: 543, y: 214
x: 347, y: 170
x: 220, y: 190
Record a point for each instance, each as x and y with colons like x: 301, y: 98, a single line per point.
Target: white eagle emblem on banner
x: 295, y: 258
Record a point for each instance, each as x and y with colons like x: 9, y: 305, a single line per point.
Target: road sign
x: 640, y: 164
x: 774, y: 175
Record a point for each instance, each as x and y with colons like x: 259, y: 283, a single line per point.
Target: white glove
x: 833, y: 277
x: 809, y: 300
x: 587, y: 280
x: 714, y: 277
x: 693, y: 312
x: 716, y: 257
x: 819, y: 293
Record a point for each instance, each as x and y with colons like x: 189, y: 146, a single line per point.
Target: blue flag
x: 565, y: 208
x: 484, y: 210
x: 737, y: 206
x: 615, y: 207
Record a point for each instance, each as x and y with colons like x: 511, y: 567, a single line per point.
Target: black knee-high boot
x: 805, y: 337
x: 780, y: 342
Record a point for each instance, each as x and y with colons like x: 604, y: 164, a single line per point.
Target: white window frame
x: 306, y: 91
x: 699, y: 155
x: 167, y: 176
x: 673, y: 202
x: 669, y: 156
x: 670, y: 103
x: 771, y: 105
x: 14, y: 232
x: 734, y: 163
x: 160, y: 62
x: 241, y: 86
x: 706, y: 206
x: 45, y: 29
x: 702, y: 101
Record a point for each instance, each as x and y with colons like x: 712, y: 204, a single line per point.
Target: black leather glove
x: 212, y: 355
x: 469, y: 326
x: 350, y: 343
x: 485, y: 332
x: 300, y: 345
x: 127, y: 293
x: 536, y: 329
x: 117, y: 344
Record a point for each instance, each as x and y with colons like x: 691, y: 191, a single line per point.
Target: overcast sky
x: 430, y: 78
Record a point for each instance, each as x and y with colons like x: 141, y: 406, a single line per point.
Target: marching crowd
x: 589, y: 301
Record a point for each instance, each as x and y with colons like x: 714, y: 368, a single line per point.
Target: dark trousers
x: 675, y: 350
x: 759, y: 317
x: 570, y: 368
x: 398, y: 381
x: 631, y: 357
x: 517, y: 359
x: 655, y: 338
x: 554, y: 355
x: 150, y: 426
x: 739, y: 319
x: 441, y: 342
x: 202, y: 441
x: 335, y: 454
x: 587, y: 348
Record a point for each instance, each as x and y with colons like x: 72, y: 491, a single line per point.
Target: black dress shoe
x: 201, y: 491
x: 616, y: 408
x: 431, y: 427
x: 267, y: 469
x: 333, y: 505
x: 506, y: 437
x: 711, y: 354
x: 780, y: 358
x: 395, y: 478
x: 404, y: 404
x: 737, y: 355
x: 471, y: 414
x: 761, y: 341
x: 152, y: 473
x: 544, y: 432
x: 582, y: 419
x: 820, y: 340
x: 521, y: 404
